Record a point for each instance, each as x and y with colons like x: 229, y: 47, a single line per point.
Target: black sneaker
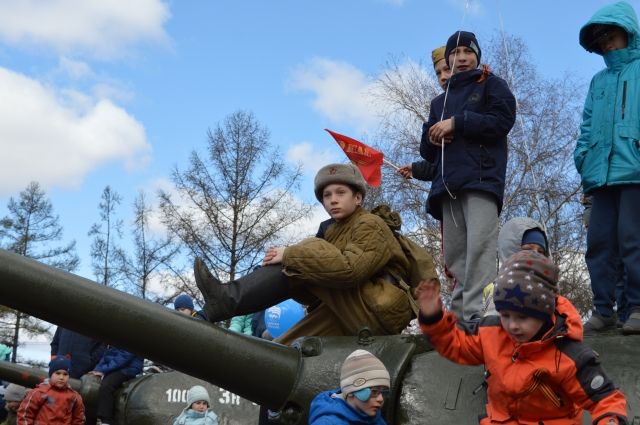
x: 598, y: 323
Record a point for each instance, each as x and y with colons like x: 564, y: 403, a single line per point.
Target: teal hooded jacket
x: 608, y: 150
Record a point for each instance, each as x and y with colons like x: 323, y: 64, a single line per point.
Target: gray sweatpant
x: 470, y: 238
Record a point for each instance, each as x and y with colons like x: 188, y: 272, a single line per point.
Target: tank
x: 153, y: 398
x: 425, y: 387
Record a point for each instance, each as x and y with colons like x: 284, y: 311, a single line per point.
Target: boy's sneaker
x: 632, y: 325
x: 598, y: 323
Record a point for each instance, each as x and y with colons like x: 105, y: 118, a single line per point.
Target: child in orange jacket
x: 53, y: 401
x: 538, y: 369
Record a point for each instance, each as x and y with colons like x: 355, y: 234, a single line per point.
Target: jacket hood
x: 339, y: 411
x: 510, y: 236
x: 567, y: 320
x: 620, y: 14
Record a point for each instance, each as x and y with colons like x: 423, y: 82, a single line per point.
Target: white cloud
x: 311, y: 159
x: 98, y: 27
x: 342, y: 92
x: 57, y: 140
x: 74, y: 68
x: 470, y: 7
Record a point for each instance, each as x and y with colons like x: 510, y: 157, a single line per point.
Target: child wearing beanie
x: 13, y: 396
x: 538, y: 369
x: 465, y: 138
x: 198, y: 410
x: 53, y: 401
x: 364, y: 383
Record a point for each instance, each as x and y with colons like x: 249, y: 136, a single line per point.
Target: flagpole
x: 391, y: 164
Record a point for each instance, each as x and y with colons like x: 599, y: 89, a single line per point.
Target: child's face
x: 372, y: 406
x: 184, y: 310
x: 443, y: 73
x: 200, y: 406
x: 532, y: 247
x: 59, y: 378
x: 462, y: 59
x: 614, y: 39
x: 340, y: 201
x: 520, y: 327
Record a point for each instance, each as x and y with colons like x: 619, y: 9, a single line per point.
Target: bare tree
x: 234, y: 202
x: 541, y: 181
x: 29, y: 229
x: 106, y: 255
x: 152, y: 257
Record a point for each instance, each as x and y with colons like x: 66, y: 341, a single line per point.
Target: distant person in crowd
x: 198, y: 410
x: 538, y: 369
x: 349, y: 274
x: 423, y: 170
x: 116, y: 367
x: 13, y: 396
x: 184, y: 304
x: 607, y: 156
x: 622, y: 308
x: 5, y: 352
x: 84, y: 352
x: 364, y: 384
x: 517, y: 234
x: 466, y: 140
x: 53, y: 401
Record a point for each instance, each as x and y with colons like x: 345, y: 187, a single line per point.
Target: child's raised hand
x: 428, y: 296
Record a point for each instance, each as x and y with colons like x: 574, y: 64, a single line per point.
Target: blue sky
x: 99, y: 92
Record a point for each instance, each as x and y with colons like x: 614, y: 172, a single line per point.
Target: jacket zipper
x: 624, y: 97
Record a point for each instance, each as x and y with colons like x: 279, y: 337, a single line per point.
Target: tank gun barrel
x: 151, y: 330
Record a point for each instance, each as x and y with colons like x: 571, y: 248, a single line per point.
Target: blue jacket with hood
x: 328, y: 410
x: 608, y: 150
x: 115, y: 359
x: 484, y: 110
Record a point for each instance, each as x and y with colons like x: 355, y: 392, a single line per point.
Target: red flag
x: 367, y: 159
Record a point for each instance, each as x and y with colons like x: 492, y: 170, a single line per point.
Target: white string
x: 444, y: 105
x: 522, y: 127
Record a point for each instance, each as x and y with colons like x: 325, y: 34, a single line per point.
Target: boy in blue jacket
x: 607, y: 156
x: 466, y: 139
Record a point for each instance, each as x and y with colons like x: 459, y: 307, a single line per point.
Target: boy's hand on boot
x: 273, y: 256
x: 428, y: 296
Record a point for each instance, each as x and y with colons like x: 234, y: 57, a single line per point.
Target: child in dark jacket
x: 115, y: 367
x: 466, y: 140
x: 53, y: 401
x: 538, y: 369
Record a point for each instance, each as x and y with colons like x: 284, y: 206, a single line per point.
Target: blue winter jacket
x: 608, y: 149
x: 327, y: 410
x: 115, y: 359
x: 84, y: 352
x: 484, y: 110
x: 191, y: 417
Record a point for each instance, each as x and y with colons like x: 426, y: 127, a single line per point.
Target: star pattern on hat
x: 516, y: 292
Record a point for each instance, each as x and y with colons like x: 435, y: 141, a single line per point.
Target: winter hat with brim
x: 527, y: 283
x: 339, y: 174
x: 59, y: 363
x: 197, y: 393
x: 183, y: 301
x: 437, y: 55
x: 14, y: 393
x: 464, y: 39
x: 361, y: 369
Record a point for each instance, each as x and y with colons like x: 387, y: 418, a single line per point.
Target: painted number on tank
x: 228, y: 397
x: 176, y: 396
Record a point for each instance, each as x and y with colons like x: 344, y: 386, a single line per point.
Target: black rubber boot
x: 260, y: 289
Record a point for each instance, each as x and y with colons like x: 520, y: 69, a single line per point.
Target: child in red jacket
x: 53, y: 401
x: 538, y: 369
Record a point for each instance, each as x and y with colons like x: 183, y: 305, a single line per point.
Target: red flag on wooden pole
x: 368, y: 160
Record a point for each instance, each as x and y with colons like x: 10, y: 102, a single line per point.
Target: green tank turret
x: 425, y: 387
